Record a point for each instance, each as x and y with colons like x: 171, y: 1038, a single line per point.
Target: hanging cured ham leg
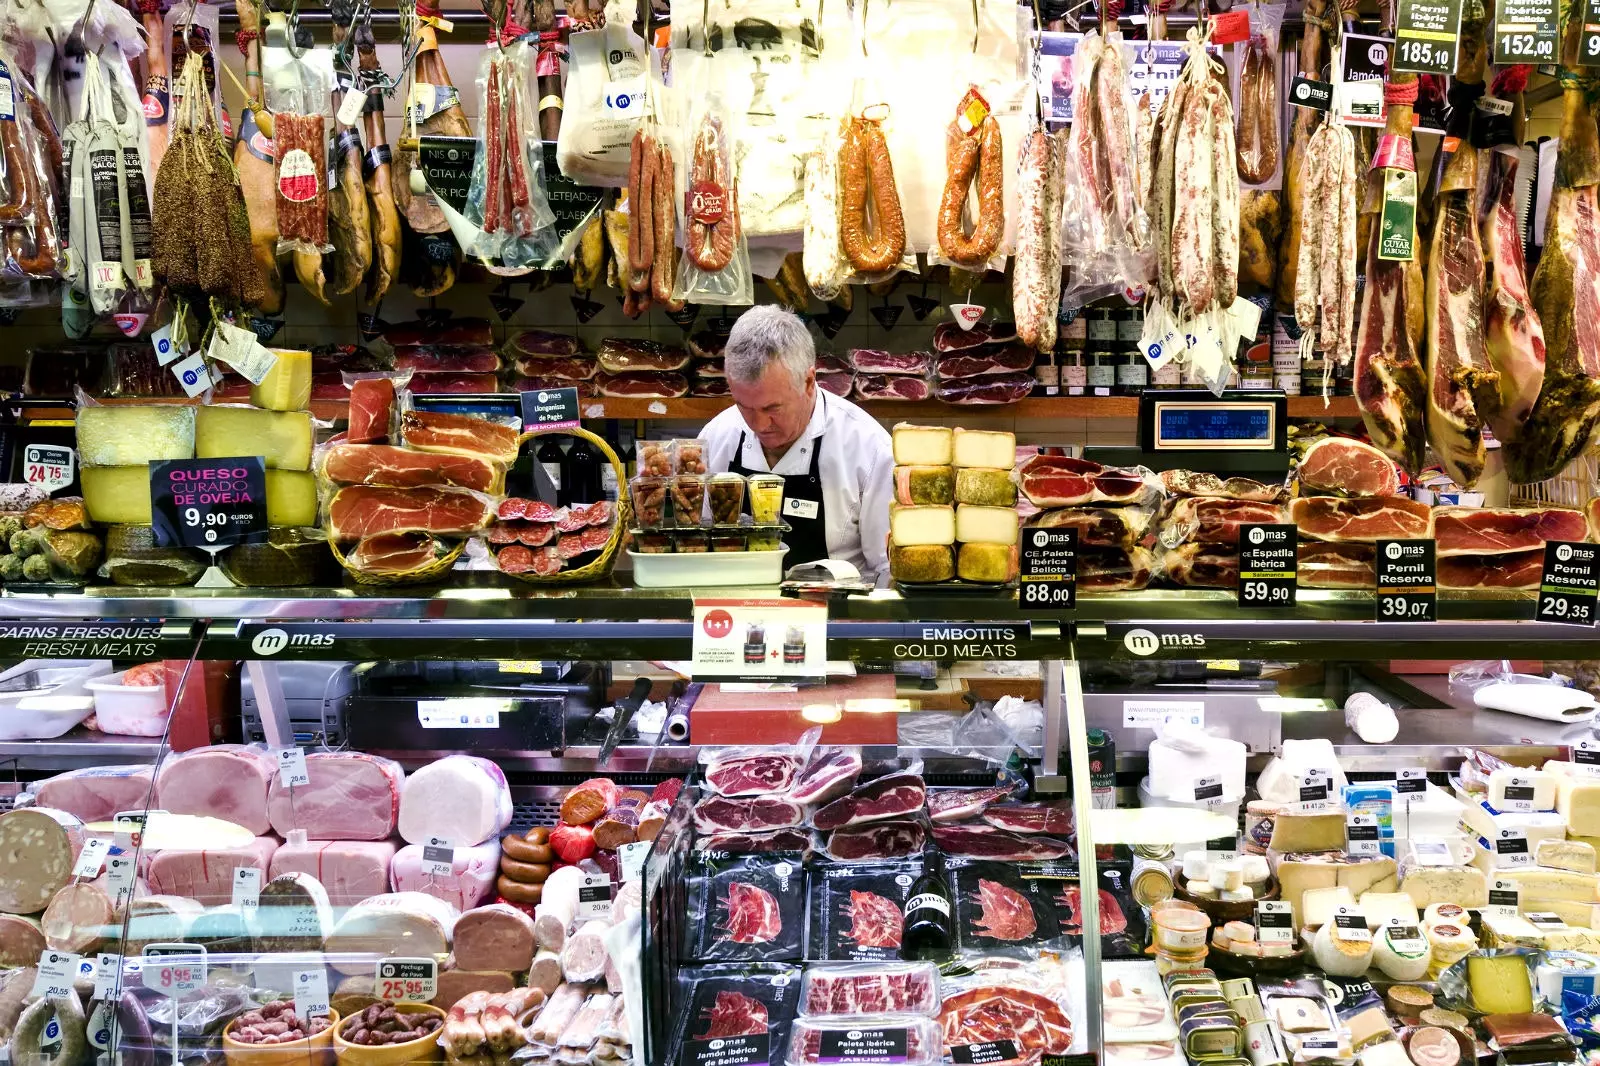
x: 1513, y: 337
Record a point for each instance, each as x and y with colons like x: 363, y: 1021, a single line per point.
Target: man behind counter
x: 835, y: 459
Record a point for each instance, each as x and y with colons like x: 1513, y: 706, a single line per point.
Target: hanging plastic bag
x: 604, y: 103
x: 507, y: 201
x: 104, y: 261
x: 974, y: 162
x: 298, y: 94
x: 1257, y: 138
x: 825, y: 264
x: 29, y: 194
x: 872, y: 225
x: 716, y: 260
x: 651, y: 270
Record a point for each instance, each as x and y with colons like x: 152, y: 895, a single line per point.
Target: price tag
x: 1206, y: 789
x: 1308, y: 92
x: 291, y: 767
x: 1589, y: 38
x: 1511, y: 845
x: 1316, y: 791
x: 91, y: 858
x: 108, y: 976
x: 350, y: 107
x: 49, y: 466
x: 120, y: 876
x: 1275, y: 921
x: 1426, y: 35
x: 631, y: 858
x: 1432, y: 851
x: 1411, y: 781
x: 1363, y: 62
x: 408, y: 980
x: 1404, y: 935
x: 1519, y: 794
x: 594, y: 897
x: 246, y: 889
x: 1526, y: 31
x: 1361, y: 833
x: 1049, y: 570
x: 1504, y: 898
x: 438, y: 857
x: 166, y: 349
x: 128, y: 827
x: 1586, y: 754
x: 311, y: 992
x: 172, y: 970
x: 56, y: 974
x: 193, y: 374
x: 549, y: 409
x: 1350, y: 924
x: 1268, y: 560
x: 209, y: 503
x: 1407, y: 583
x: 1546, y: 922
x: 1221, y: 849
x: 1570, y: 583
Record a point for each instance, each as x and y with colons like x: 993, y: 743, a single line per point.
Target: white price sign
x: 631, y: 858
x: 108, y: 976
x: 594, y: 897
x: 408, y: 980
x: 57, y: 972
x: 172, y: 970
x: 311, y: 992
x: 1505, y: 897
x: 1349, y: 923
x: 291, y: 767
x: 49, y: 466
x: 1362, y: 833
x: 120, y: 875
x: 246, y: 889
x: 91, y: 858
x: 438, y: 857
x: 1275, y: 921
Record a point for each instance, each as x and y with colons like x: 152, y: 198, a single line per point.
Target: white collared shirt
x: 856, y: 468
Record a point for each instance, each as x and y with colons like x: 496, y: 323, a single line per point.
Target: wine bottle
x: 927, y: 934
x: 551, y: 458
x: 580, y: 477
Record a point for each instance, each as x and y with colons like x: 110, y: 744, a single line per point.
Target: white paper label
x: 351, y: 106
x: 119, y: 879
x: 246, y: 889
x: 240, y: 349
x: 291, y: 767
x: 1148, y: 714
x: 1505, y: 899
x: 801, y: 508
x: 107, y: 976
x: 438, y: 857
x: 1519, y: 794
x: 57, y: 972
x: 1546, y: 922
x: 1275, y: 921
x: 469, y: 712
x: 1512, y: 848
x: 1432, y: 851
x: 1361, y: 833
x: 311, y: 992
x: 631, y: 857
x: 49, y: 466
x: 594, y: 897
x: 161, y: 341
x: 91, y: 858
x: 1316, y: 789
x: 407, y: 980
x: 1404, y: 935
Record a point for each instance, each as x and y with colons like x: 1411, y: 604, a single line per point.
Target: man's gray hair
x: 764, y: 335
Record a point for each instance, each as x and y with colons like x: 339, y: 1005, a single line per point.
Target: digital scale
x: 1243, y: 431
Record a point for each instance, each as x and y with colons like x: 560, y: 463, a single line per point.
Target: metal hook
x: 292, y: 20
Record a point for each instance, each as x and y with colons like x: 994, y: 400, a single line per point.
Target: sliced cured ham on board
x: 1496, y: 530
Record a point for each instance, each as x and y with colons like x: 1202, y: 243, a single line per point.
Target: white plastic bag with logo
x: 605, y: 103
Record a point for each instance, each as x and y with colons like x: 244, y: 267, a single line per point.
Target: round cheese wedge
x: 1402, y: 959
x: 1338, y: 956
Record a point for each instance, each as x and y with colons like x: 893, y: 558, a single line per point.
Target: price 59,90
x: 1266, y: 591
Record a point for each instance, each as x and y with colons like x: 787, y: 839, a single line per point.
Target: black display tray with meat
x: 748, y: 908
x: 735, y: 1015
x: 1122, y: 921
x: 997, y: 911
x: 858, y: 910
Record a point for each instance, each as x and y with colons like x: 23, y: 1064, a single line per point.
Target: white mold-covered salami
x: 38, y: 846
x: 825, y: 264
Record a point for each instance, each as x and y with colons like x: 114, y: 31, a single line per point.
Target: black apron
x: 803, y: 507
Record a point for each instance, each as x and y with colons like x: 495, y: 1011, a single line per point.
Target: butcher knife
x: 626, y: 707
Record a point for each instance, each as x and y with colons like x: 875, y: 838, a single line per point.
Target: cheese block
x: 1465, y: 885
x: 1308, y: 832
x: 1574, y: 856
x: 1573, y: 939
x: 1488, y: 823
x: 1500, y: 984
x: 1299, y: 872
x: 922, y: 563
x: 1577, y: 797
x: 1380, y: 907
x: 227, y: 431
x: 924, y: 485
x: 1401, y: 958
x: 116, y: 495
x: 287, y: 386
x: 921, y: 525
x: 1582, y: 915
x: 1517, y: 787
x: 1444, y: 914
x: 1537, y: 883
x: 1340, y: 957
x: 992, y: 563
x: 132, y: 436
x: 985, y: 487
x: 1319, y: 903
x: 291, y: 498
x: 1299, y: 1014
x: 1448, y: 945
x: 923, y: 445
x: 986, y: 525
x: 1491, y: 860
x: 1387, y: 1053
x: 985, y: 447
x: 1510, y: 931
x: 1368, y: 1026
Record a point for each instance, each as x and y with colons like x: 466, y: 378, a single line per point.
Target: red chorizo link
x: 18, y: 203
x: 968, y: 157
x: 665, y: 268
x: 641, y: 219
x: 711, y: 213
x: 865, y: 168
x: 493, y: 161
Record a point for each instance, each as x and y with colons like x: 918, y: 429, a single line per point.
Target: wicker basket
x: 622, y: 519
x: 1574, y: 487
x: 423, y: 574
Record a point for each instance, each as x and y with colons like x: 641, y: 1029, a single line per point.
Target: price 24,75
x: 1267, y: 592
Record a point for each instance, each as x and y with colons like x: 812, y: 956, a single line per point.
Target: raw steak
x: 1031, y: 818
x: 879, y: 840
x: 894, y: 991
x: 394, y: 553
x: 735, y: 843
x: 453, y: 434
x: 875, y: 922
x: 878, y: 361
x: 1513, y: 337
x: 404, y: 468
x: 542, y: 342
x: 891, y: 796
x: 1513, y: 570
x: 1336, y: 566
x: 1202, y: 566
x: 358, y: 511
x: 1348, y: 467
x: 989, y: 842
x: 1098, y: 527
x: 890, y: 387
x: 838, y: 384
x: 1201, y: 483
x: 447, y: 359
x: 989, y: 389
x: 1114, y: 570
x: 1007, y: 914
x: 371, y: 405
x: 618, y: 355
x: 958, y: 804
x: 1196, y: 520
x: 827, y: 776
x: 950, y: 337
x: 1371, y: 520
x: 752, y: 914
x: 745, y: 773
x: 983, y: 363
x: 757, y: 813
x: 1033, y: 1022
x: 558, y: 367
x: 733, y: 1014
x: 1062, y: 481
x: 647, y: 383
x: 1112, y: 920
x: 1490, y: 530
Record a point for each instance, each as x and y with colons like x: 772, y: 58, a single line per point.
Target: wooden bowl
x: 1231, y: 964
x: 1220, y: 912
x: 423, y: 1048
x: 307, y: 1051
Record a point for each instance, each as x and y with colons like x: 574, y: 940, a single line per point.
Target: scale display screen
x: 1205, y: 426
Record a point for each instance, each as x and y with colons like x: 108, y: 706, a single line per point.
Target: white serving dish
x: 129, y: 710
x: 58, y: 704
x: 666, y: 570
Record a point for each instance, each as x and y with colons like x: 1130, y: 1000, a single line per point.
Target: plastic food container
x: 655, y: 458
x: 1182, y: 931
x: 689, y: 456
x: 649, y: 495
x: 901, y: 987
x: 766, y: 498
x: 692, y: 543
x: 727, y: 498
x: 130, y: 710
x: 652, y: 571
x: 727, y: 542
x: 865, y: 1040
x: 44, y: 698
x: 653, y: 543
x: 688, y: 499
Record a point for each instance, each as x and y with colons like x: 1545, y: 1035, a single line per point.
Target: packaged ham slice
x: 206, y: 874
x: 460, y: 799
x: 469, y: 884
x: 351, y: 870
x: 98, y: 793
x: 496, y: 937
x: 351, y: 796
x: 227, y: 781
x: 38, y: 846
x: 405, y: 923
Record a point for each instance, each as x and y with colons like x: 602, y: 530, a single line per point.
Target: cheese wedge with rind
x: 132, y: 435
x: 283, y: 438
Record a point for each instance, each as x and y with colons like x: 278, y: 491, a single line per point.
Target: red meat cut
x: 440, y: 331
x: 618, y: 355
x: 735, y: 843
x: 890, y: 387
x: 1034, y: 1023
x: 755, y: 813
x: 838, y: 384
x: 1007, y: 914
x: 1512, y: 570
x: 879, y: 840
x: 990, y: 842
x: 753, y: 916
x: 584, y: 389
x: 1031, y: 818
x: 403, y: 468
x: 1063, y: 481
x: 878, y: 361
x: 875, y: 921
x: 752, y: 774
x: 543, y: 342
x: 371, y: 404
x: 439, y: 384
x: 1366, y: 520
x: 567, y: 368
x: 1493, y: 530
x: 733, y: 1014
x: 395, y: 553
x: 648, y: 383
x: 988, y: 389
x: 1350, y: 467
x: 358, y: 511
x: 1114, y: 570
x: 977, y: 364
x: 950, y: 337
x: 891, y: 796
x: 958, y: 804
x: 1098, y: 527
x: 1112, y: 920
x: 444, y: 431
x: 1209, y: 521
x: 828, y: 775
x: 1203, y: 566
x: 447, y: 358
x: 894, y: 992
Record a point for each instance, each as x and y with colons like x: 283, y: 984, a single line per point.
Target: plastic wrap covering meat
x: 857, y: 910
x: 1098, y: 527
x: 1494, y: 530
x: 386, y: 466
x: 1023, y: 1005
x: 1365, y: 520
x: 202, y: 1015
x: 871, y: 988
x: 456, y: 434
x: 838, y: 384
x: 570, y: 368
x: 32, y: 195
x: 946, y: 805
x: 1513, y: 570
x: 542, y: 344
x: 356, y: 512
x: 644, y: 383
x: 227, y: 781
x: 1063, y: 481
x: 818, y: 1039
x: 1202, y: 565
x: 875, y: 840
x: 469, y: 884
x: 447, y: 359
x: 620, y: 355
x: 437, y: 384
x: 1211, y: 521
x: 98, y: 793
x: 990, y: 389
x: 206, y: 874
x: 352, y: 796
x: 757, y: 814
x: 716, y: 259
x: 892, y: 796
x: 951, y: 337
x: 983, y: 362
x: 725, y: 1002
x: 889, y: 387
x: 878, y: 361
x: 461, y: 799
x: 749, y: 843
x: 1336, y: 566
x: 750, y: 907
x: 1347, y: 467
x: 1114, y: 569
x: 59, y: 371
x: 828, y: 775
x: 507, y: 203
x: 396, y: 924
x: 992, y: 842
x: 750, y: 771
x: 1203, y: 483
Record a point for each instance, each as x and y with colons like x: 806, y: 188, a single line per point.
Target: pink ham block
x: 351, y: 796
x: 351, y: 870
x: 471, y: 881
x: 96, y: 794
x: 227, y: 781
x: 206, y: 874
x: 460, y: 799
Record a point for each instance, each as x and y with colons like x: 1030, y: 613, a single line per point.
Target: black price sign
x: 1308, y: 92
x: 1049, y: 570
x: 549, y: 409
x: 1571, y: 581
x: 1427, y: 36
x: 1268, y: 555
x: 983, y: 1054
x: 1526, y: 31
x: 209, y: 503
x: 1407, y: 581
x: 447, y: 161
x: 1589, y: 35
x: 729, y: 1051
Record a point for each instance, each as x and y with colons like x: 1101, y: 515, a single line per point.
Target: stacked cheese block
x: 954, y: 512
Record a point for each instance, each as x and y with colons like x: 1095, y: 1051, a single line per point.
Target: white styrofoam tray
x: 662, y: 570
x: 32, y: 717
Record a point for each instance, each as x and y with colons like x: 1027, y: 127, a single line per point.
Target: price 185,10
x: 1426, y: 55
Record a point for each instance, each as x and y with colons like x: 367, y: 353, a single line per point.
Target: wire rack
x: 1573, y: 487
